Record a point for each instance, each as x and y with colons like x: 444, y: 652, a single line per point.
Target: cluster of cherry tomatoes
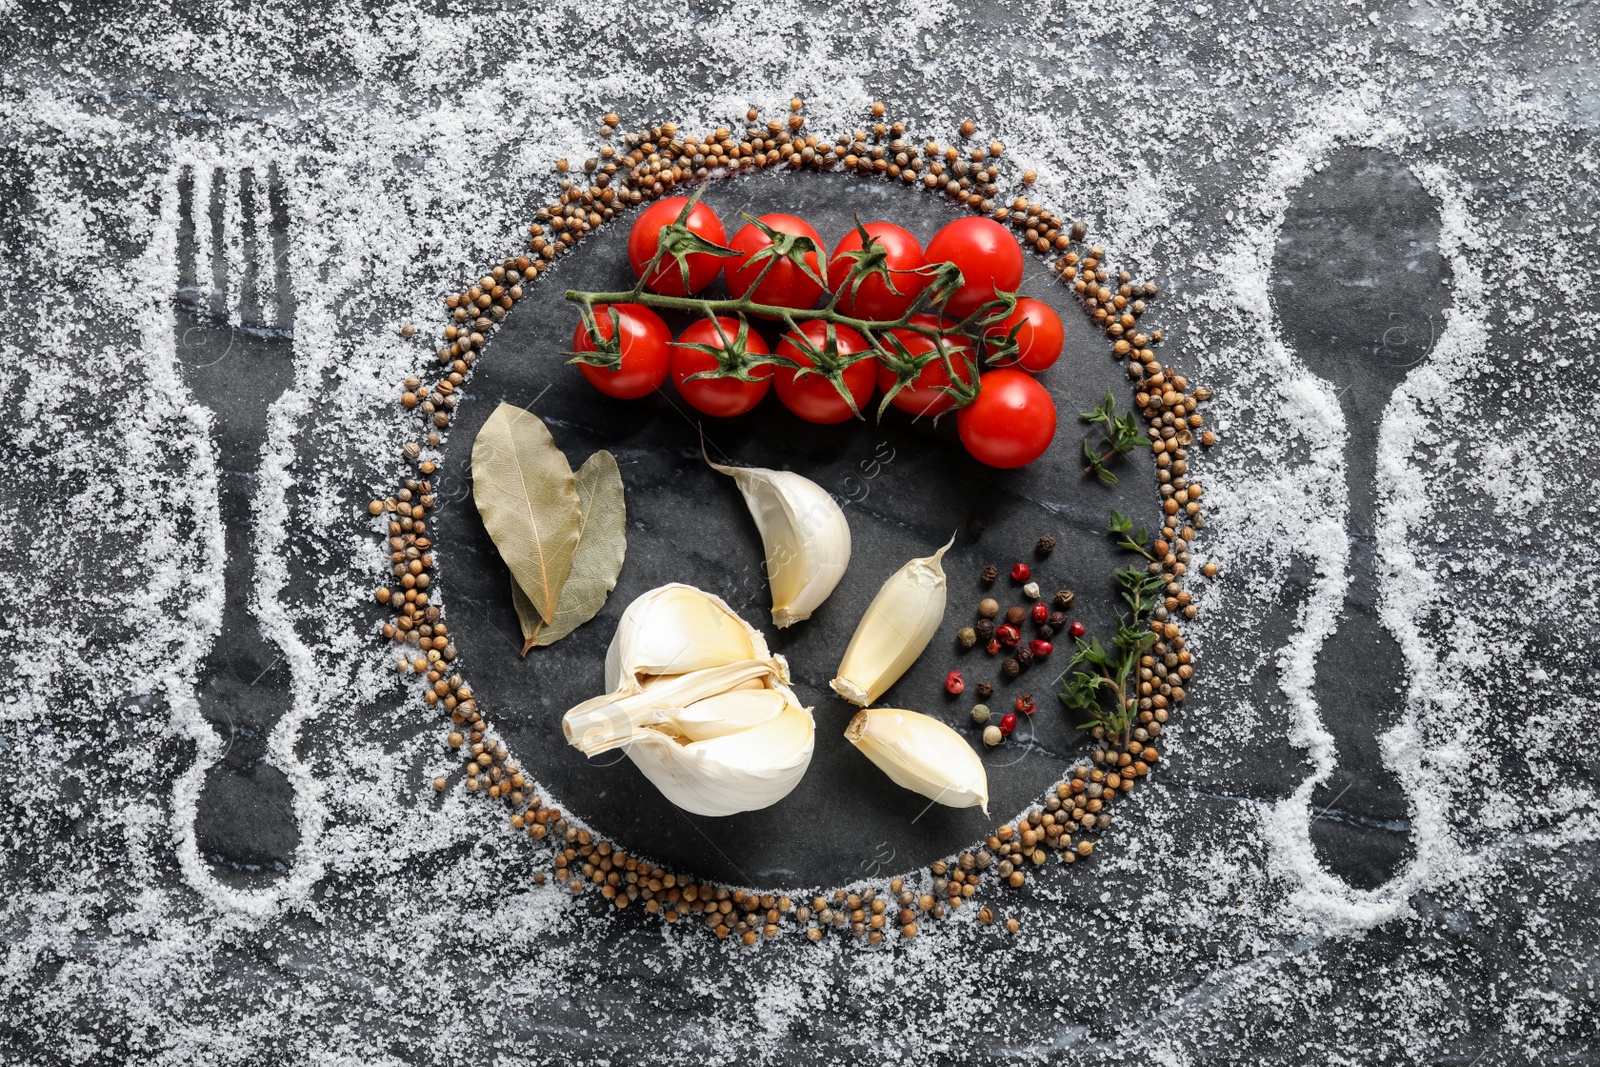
x: 828, y: 372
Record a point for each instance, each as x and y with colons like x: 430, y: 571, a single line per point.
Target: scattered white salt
x: 413, y: 151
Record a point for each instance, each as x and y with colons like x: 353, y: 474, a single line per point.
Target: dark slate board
x: 908, y: 486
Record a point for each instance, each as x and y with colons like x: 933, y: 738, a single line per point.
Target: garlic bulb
x: 897, y: 626
x: 699, y: 705
x: 922, y: 754
x: 806, y: 538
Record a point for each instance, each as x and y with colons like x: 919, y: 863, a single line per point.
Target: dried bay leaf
x: 602, y: 544
x: 528, y: 499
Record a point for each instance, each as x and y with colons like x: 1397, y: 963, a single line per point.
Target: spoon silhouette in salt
x: 1360, y: 289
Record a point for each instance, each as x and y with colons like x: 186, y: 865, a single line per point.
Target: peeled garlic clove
x: 806, y: 538
x: 678, y: 629
x: 922, y: 754
x: 897, y: 626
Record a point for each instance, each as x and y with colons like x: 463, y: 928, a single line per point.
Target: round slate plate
x: 906, y: 486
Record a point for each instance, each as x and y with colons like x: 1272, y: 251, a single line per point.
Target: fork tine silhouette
x: 236, y: 330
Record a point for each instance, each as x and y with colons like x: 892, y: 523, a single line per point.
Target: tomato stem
x: 793, y: 316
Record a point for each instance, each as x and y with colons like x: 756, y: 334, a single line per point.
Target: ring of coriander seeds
x: 630, y: 169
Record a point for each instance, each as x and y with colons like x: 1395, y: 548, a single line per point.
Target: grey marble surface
x: 1373, y: 837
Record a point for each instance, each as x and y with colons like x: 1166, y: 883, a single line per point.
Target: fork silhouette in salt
x: 235, y: 317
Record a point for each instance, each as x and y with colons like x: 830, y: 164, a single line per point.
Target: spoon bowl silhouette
x: 1360, y: 289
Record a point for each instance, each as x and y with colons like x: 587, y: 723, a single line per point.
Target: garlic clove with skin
x: 897, y: 626
x: 728, y: 713
x: 804, y: 533
x: 737, y: 771
x: 612, y: 720
x: 921, y: 754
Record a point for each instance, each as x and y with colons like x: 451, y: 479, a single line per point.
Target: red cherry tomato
x: 1039, y: 339
x: 872, y: 299
x: 645, y: 338
x: 785, y: 285
x: 989, y: 258
x: 721, y: 397
x: 813, y: 397
x: 925, y: 395
x: 1011, y: 423
x: 645, y: 236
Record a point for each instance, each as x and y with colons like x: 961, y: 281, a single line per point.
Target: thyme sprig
x: 1100, y: 681
x: 1120, y: 435
x: 955, y: 343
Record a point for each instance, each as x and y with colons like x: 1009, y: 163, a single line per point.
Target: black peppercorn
x: 1045, y: 545
x: 1062, y: 600
x: 1010, y: 668
x: 1024, y: 656
x: 990, y: 573
x: 984, y: 628
x: 1046, y: 632
x: 985, y: 690
x: 1057, y: 620
x: 975, y: 526
x: 1015, y: 616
